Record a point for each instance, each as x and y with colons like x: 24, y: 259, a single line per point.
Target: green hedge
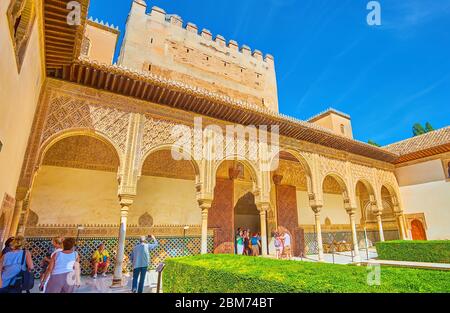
x: 437, y: 251
x: 242, y: 274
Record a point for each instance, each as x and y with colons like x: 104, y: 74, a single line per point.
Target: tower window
x: 151, y: 40
x: 85, y: 46
x: 342, y: 129
x: 21, y: 16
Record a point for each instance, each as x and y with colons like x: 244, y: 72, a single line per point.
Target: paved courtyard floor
x: 103, y: 285
x: 342, y: 257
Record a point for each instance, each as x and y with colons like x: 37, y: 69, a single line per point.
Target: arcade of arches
x: 112, y: 172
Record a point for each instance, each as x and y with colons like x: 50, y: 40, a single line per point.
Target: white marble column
x: 263, y: 208
x: 317, y: 210
x: 125, y: 203
x: 380, y: 225
x: 205, y: 205
x: 352, y: 215
x: 401, y: 225
x: 15, y: 219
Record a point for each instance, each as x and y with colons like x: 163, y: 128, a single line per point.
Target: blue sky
x: 386, y: 77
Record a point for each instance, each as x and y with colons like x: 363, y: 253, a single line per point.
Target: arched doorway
x: 74, y: 193
x: 76, y: 183
x: 246, y: 214
x: 418, y: 231
x: 337, y: 236
x: 291, y: 186
x: 233, y: 204
x: 365, y: 197
x: 166, y: 191
x: 166, y: 204
x: 391, y: 227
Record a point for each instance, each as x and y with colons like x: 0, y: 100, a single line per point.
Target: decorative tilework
x: 169, y: 247
x: 329, y: 237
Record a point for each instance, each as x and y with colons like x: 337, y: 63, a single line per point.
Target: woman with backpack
x: 12, y: 266
x: 64, y: 269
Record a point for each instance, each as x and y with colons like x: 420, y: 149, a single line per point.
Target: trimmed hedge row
x: 437, y: 251
x: 242, y: 274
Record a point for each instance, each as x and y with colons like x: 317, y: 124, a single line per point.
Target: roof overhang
x: 62, y: 41
x: 423, y: 153
x: 179, y: 95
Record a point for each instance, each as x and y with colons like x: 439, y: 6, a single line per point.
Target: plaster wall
x: 19, y: 95
x: 103, y: 43
x: 420, y: 173
x: 432, y: 199
x: 77, y: 196
x: 333, y: 208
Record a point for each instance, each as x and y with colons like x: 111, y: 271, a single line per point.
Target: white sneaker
x: 104, y: 274
x: 95, y: 276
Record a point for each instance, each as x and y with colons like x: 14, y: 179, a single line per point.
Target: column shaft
x: 117, y: 279
x: 262, y: 217
x: 380, y: 226
x: 354, y: 236
x: 319, y: 235
x: 15, y: 219
x: 204, y: 243
x: 401, y: 226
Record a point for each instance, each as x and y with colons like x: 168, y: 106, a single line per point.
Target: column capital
x: 277, y: 178
x: 316, y: 208
x: 21, y: 193
x: 263, y: 206
x: 351, y: 211
x: 377, y: 213
x: 126, y: 200
x: 204, y: 204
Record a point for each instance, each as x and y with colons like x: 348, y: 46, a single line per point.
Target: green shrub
x: 437, y: 251
x: 242, y: 274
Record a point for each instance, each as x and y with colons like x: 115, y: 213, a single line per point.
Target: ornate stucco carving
x: 71, y: 113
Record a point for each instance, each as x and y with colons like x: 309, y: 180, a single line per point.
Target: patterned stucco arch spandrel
x: 58, y: 115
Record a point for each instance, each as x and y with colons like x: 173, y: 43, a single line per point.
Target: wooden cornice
x: 62, y: 41
x: 179, y: 95
x: 423, y: 153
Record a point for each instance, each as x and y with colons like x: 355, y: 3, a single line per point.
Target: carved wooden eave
x: 62, y: 41
x: 423, y: 153
x: 156, y: 89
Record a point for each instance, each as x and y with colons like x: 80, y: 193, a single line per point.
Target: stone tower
x: 161, y: 44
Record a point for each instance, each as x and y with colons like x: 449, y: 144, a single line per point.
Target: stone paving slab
x: 422, y: 265
x: 103, y: 285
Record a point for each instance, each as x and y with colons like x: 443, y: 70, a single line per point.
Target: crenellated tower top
x: 163, y: 44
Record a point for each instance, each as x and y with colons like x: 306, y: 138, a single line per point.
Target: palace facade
x: 87, y: 145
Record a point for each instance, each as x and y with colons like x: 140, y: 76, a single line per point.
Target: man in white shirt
x: 287, y: 245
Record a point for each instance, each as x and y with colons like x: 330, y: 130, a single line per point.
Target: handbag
x: 25, y: 279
